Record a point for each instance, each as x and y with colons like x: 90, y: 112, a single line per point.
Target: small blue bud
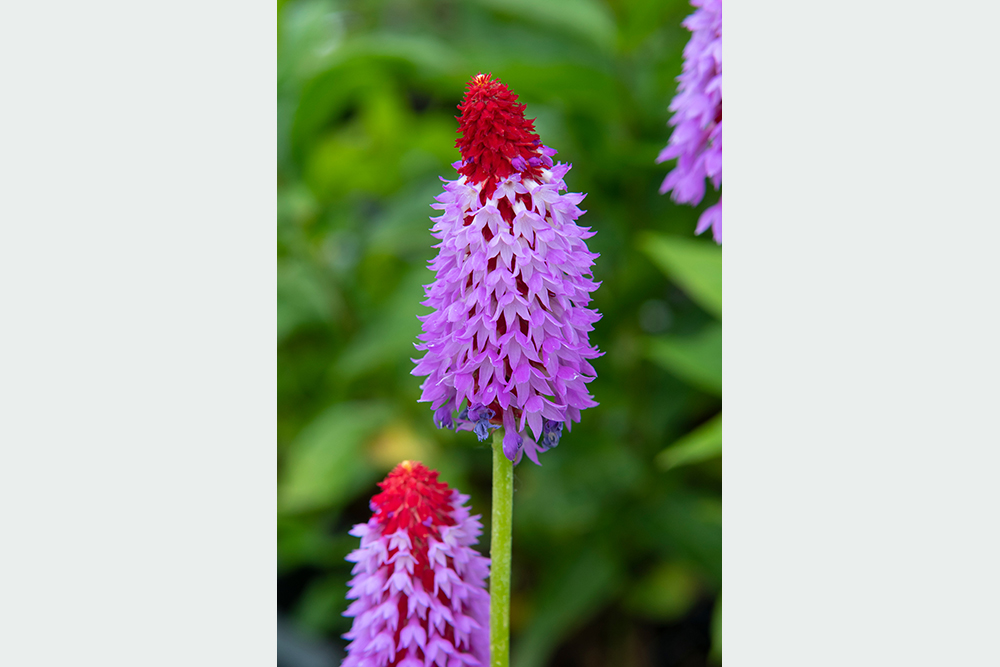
x: 551, y: 432
x: 442, y: 418
x: 482, y: 430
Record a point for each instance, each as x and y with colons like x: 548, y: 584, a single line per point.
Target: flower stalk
x: 500, y: 550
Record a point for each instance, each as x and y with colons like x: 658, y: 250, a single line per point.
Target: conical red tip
x: 412, y: 499
x: 494, y: 132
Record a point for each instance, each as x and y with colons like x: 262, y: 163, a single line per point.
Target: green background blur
x: 617, y: 537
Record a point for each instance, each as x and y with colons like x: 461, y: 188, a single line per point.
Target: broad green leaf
x: 696, y: 359
x: 701, y: 444
x: 326, y: 464
x: 694, y: 265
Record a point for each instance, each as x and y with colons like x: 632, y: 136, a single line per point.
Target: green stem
x: 500, y: 540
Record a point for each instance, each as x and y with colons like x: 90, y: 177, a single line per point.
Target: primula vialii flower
x: 421, y: 598
x: 696, y: 141
x: 507, y: 341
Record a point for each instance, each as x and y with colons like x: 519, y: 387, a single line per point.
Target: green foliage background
x: 617, y: 537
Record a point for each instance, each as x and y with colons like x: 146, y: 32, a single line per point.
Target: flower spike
x: 418, y: 587
x: 507, y: 341
x: 696, y: 141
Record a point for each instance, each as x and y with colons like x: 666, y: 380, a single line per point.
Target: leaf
x: 325, y: 464
x: 308, y: 35
x: 586, y: 18
x: 715, y: 657
x: 696, y: 359
x: 303, y: 298
x: 320, y: 611
x: 665, y: 594
x: 701, y: 444
x: 567, y: 84
x: 432, y: 56
x: 687, y: 527
x: 565, y: 602
x: 694, y: 265
x: 389, y: 339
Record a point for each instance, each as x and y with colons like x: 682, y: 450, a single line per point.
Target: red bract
x: 413, y: 500
x: 494, y: 132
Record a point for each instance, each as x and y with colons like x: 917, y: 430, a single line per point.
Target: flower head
x: 696, y: 141
x: 418, y: 591
x: 507, y: 341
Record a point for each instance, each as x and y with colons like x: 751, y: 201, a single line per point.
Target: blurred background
x: 618, y: 535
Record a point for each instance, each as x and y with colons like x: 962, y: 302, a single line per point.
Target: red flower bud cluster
x: 494, y: 132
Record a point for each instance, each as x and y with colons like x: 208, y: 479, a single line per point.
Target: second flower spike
x: 418, y: 587
x: 507, y: 342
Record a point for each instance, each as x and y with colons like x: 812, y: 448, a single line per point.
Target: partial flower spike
x: 418, y: 587
x: 507, y: 342
x: 696, y: 141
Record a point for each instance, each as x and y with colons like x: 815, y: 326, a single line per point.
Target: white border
x: 137, y: 361
x: 860, y: 352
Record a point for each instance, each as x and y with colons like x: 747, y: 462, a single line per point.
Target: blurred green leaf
x: 587, y: 18
x: 687, y: 527
x: 320, y: 611
x: 696, y: 359
x: 403, y: 228
x: 577, y: 590
x: 695, y: 265
x: 309, y: 33
x: 325, y: 464
x: 330, y: 94
x: 389, y: 339
x: 568, y: 85
x: 432, y: 56
x: 701, y: 444
x: 682, y: 526
x: 302, y: 298
x: 299, y: 542
x: 665, y: 594
x: 716, y: 655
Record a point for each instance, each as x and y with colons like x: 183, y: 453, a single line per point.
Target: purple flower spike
x: 419, y: 592
x: 696, y: 141
x: 509, y: 329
